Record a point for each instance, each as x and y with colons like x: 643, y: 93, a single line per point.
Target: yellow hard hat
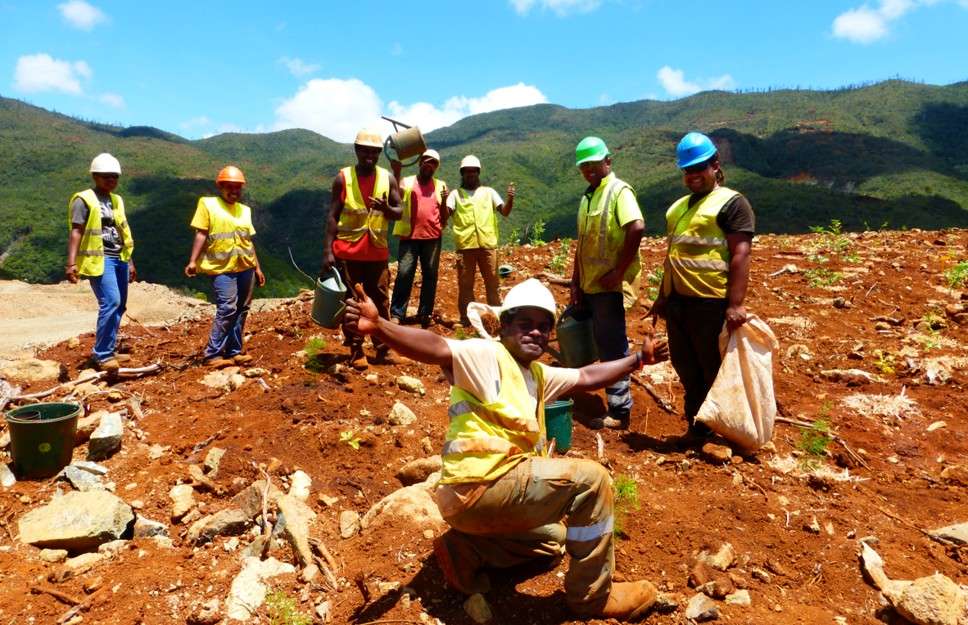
x: 230, y: 173
x: 369, y: 138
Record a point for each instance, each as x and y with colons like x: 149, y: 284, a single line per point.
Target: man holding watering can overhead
x: 504, y: 498
x: 365, y: 198
x: 607, y: 268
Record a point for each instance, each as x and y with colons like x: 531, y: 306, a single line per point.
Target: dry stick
x: 83, y: 606
x: 89, y: 378
x: 63, y: 597
x: 143, y: 326
x: 892, y: 515
x: 836, y: 438
x: 665, y: 405
x: 265, y: 516
x: 392, y: 620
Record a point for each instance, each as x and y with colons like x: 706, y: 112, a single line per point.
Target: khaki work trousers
x: 519, y: 518
x: 467, y: 263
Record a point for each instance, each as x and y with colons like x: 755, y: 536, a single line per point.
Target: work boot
x: 217, y: 362
x: 425, y: 321
x: 627, y: 601
x: 460, y: 575
x: 608, y: 422
x: 242, y: 359
x: 123, y: 358
x: 383, y: 356
x: 357, y: 358
x: 111, y: 365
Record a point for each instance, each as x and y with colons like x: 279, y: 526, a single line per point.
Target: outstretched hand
x: 361, y: 315
x: 654, y: 350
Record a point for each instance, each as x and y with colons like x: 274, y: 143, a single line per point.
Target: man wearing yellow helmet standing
x: 99, y: 248
x: 223, y: 249
x: 605, y: 279
x: 474, y: 209
x: 365, y: 199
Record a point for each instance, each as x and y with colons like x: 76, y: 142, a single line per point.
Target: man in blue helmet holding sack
x: 710, y: 232
x: 605, y: 279
x: 507, y: 502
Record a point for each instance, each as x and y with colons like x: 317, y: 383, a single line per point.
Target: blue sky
x: 199, y: 68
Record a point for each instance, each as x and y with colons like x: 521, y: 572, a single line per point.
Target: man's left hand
x: 361, y: 315
x: 611, y: 280
x: 512, y: 190
x: 381, y: 204
x: 260, y: 277
x: 735, y: 317
x: 132, y: 273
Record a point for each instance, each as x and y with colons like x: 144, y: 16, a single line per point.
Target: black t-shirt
x: 736, y: 216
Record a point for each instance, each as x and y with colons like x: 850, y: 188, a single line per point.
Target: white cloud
x: 866, y: 24
x: 112, y: 99
x: 338, y: 108
x: 80, y: 14
x: 42, y: 72
x: 297, y: 67
x: 561, y: 8
x: 675, y: 83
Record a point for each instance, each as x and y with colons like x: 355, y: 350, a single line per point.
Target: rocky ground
x: 171, y: 523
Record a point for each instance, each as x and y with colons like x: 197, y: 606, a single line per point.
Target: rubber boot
x: 629, y: 601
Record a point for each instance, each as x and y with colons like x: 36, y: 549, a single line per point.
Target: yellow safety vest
x: 356, y: 219
x: 229, y: 247
x: 403, y: 227
x: 601, y: 238
x: 486, y: 440
x: 697, y: 264
x: 475, y: 220
x: 90, y: 253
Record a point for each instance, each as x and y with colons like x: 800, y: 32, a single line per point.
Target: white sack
x: 741, y: 406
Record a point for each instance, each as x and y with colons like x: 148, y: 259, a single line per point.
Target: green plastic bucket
x: 558, y: 423
x: 42, y: 438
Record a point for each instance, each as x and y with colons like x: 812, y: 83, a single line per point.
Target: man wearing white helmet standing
x: 99, y: 248
x: 473, y: 209
x: 365, y: 198
x: 506, y: 500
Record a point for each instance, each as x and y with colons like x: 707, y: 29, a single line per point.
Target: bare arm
x: 73, y: 244
x: 740, y: 244
x: 601, y: 374
x: 505, y: 208
x: 198, y: 244
x: 332, y: 223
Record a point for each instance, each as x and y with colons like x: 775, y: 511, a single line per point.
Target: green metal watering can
x: 576, y: 340
x: 329, y: 300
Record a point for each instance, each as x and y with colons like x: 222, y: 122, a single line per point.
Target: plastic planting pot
x: 558, y: 423
x: 42, y: 438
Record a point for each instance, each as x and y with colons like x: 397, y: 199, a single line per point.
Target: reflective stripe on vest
x: 697, y: 264
x: 90, y: 252
x: 484, y: 441
x: 403, y: 227
x: 228, y: 247
x: 356, y: 219
x: 601, y: 237
x: 475, y: 219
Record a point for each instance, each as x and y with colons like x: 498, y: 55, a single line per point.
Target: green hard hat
x: 590, y: 149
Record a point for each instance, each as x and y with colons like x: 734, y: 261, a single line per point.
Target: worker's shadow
x: 441, y: 602
x: 638, y: 441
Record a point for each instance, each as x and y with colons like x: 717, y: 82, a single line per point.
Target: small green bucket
x: 558, y: 423
x: 42, y: 438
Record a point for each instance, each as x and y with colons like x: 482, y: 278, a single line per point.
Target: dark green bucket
x: 558, y: 423
x: 42, y: 438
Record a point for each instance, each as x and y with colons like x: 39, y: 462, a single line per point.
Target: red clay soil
x: 686, y: 503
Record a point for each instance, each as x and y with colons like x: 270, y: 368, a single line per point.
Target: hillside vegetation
x: 894, y: 154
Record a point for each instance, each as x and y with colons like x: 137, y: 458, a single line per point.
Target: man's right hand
x: 326, y: 264
x: 71, y: 272
x: 191, y: 270
x: 361, y: 316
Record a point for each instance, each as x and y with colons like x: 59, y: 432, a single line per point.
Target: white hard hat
x: 470, y: 161
x: 431, y: 153
x: 369, y: 138
x: 529, y: 293
x: 105, y: 164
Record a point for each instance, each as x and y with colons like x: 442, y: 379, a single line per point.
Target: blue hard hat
x: 693, y: 149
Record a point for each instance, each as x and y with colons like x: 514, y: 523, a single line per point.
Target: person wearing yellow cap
x: 419, y: 229
x: 100, y: 248
x: 605, y: 278
x: 473, y: 209
x: 505, y: 499
x: 706, y: 271
x: 223, y: 249
x: 365, y: 199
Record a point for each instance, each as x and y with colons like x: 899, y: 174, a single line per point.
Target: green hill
x: 893, y: 153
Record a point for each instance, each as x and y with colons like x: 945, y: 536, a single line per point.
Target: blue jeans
x: 427, y: 251
x: 233, y: 296
x: 608, y: 326
x: 111, y: 290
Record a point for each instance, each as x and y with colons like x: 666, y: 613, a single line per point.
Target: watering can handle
x: 388, y: 146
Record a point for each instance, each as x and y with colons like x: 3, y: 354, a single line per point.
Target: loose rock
x: 146, y: 528
x: 53, y: 555
x: 740, y: 597
x: 957, y: 533
x: 106, y: 439
x: 249, y: 499
x: 852, y: 377
x: 248, y: 591
x: 411, y: 384
x: 76, y: 521
x: 477, y: 608
x: 934, y: 600
x: 701, y: 608
x: 722, y: 559
x: 717, y: 453
x: 296, y: 530
x: 228, y: 522
x: 183, y: 498
x: 300, y: 485
x: 80, y: 479
x: 212, y: 460
x: 349, y: 523
x: 412, y: 506
x: 31, y: 370
x: 7, y: 478
x: 401, y: 415
x: 419, y: 470
x: 208, y: 613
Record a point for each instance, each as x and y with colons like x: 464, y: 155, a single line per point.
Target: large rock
x: 400, y: 414
x: 412, y: 505
x: 248, y: 588
x: 31, y: 370
x: 228, y: 522
x: 76, y: 521
x: 957, y: 534
x: 296, y: 530
x: 80, y: 479
x: 183, y: 500
x: 701, y: 608
x: 106, y: 439
x: 419, y: 470
x: 934, y: 600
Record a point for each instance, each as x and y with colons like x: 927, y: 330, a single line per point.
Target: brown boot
x: 383, y: 356
x: 217, y: 362
x: 357, y: 358
x: 123, y: 359
x: 629, y: 601
x: 242, y: 359
x: 111, y: 365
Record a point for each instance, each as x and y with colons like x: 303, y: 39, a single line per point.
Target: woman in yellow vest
x: 223, y: 249
x: 710, y: 232
x: 503, y: 496
x: 99, y: 248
